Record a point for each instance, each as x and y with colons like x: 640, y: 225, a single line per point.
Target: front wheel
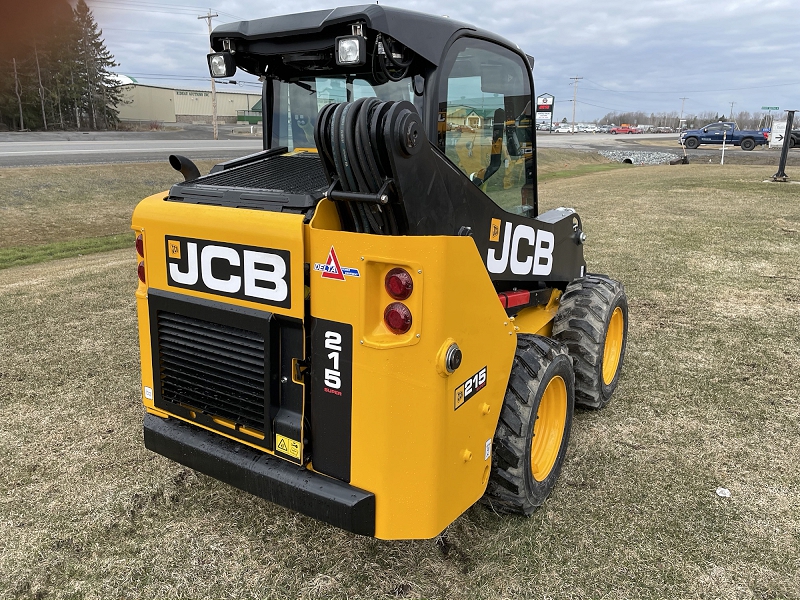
x: 592, y: 321
x: 533, y: 431
x: 748, y: 144
x: 691, y: 143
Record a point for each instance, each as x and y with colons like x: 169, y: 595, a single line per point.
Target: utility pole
x: 574, y: 99
x: 208, y: 18
x: 683, y: 101
x: 732, y: 103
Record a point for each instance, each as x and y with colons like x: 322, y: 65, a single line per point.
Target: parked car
x: 714, y: 133
x: 624, y: 129
x: 563, y: 128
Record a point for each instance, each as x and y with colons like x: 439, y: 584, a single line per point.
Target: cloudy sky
x: 632, y: 54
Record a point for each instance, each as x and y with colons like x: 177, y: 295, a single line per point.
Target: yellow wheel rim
x: 613, y: 347
x: 548, y: 431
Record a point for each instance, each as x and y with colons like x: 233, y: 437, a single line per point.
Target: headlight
x: 221, y: 64
x: 351, y: 50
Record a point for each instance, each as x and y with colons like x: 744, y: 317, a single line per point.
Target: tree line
x: 744, y: 119
x: 58, y: 75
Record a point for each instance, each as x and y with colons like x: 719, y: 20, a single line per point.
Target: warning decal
x: 331, y: 269
x: 174, y: 249
x: 494, y: 234
x: 287, y: 446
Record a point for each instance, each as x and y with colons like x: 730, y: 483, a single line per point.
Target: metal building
x: 147, y: 103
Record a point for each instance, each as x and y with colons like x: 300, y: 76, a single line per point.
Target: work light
x: 221, y: 64
x: 351, y: 51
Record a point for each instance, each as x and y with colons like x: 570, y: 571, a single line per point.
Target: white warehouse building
x: 148, y: 103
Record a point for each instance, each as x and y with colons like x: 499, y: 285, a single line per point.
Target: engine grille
x: 291, y: 183
x: 214, y: 368
x: 295, y: 174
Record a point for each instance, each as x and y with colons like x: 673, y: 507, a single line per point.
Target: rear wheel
x: 592, y: 321
x: 533, y: 431
x: 792, y: 141
x: 748, y: 144
x: 691, y: 143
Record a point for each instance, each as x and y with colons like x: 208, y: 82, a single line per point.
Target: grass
x: 57, y: 212
x: 708, y: 398
x: 29, y: 255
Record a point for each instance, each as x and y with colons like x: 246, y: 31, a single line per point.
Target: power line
x: 150, y: 6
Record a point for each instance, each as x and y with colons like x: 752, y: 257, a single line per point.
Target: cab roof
x: 426, y: 35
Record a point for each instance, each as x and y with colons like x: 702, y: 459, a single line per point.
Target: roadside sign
x: 777, y: 135
x: 544, y: 108
x: 770, y: 108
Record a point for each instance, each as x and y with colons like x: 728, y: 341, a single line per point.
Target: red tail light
x: 399, y: 284
x: 397, y: 318
x: 140, y: 245
x: 140, y: 271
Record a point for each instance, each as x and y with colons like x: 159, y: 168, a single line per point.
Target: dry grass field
x: 709, y: 398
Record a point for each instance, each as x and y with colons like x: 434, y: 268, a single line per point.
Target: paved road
x: 61, y: 152
x: 61, y: 148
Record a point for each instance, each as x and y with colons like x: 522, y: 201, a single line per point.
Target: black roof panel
x: 425, y: 34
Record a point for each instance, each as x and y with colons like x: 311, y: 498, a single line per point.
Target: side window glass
x: 485, y: 125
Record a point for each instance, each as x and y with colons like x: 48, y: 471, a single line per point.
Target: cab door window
x: 485, y: 125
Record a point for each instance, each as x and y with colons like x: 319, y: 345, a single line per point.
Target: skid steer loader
x: 369, y: 322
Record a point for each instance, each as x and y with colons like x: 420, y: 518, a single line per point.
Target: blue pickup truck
x: 714, y: 132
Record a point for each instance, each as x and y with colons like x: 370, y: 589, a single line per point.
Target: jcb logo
x: 245, y: 272
x: 526, y: 250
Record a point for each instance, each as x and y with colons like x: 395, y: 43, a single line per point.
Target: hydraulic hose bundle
x: 356, y: 141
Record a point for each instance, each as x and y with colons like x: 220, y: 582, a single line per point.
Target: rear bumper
x: 262, y: 475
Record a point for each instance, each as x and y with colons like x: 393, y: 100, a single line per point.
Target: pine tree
x: 63, y: 69
x: 100, y: 94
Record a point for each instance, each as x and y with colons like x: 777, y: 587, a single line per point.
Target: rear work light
x: 397, y: 318
x: 399, y: 284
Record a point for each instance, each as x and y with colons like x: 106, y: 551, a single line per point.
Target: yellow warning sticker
x: 494, y: 234
x: 459, y: 396
x: 174, y: 249
x: 287, y: 446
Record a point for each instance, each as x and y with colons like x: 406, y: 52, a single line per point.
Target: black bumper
x: 263, y: 475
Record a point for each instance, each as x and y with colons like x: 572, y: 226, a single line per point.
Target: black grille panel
x: 214, y: 368
x: 296, y: 174
x: 280, y: 182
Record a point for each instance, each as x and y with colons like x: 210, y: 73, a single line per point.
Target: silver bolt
x: 362, y: 342
x: 384, y: 198
x: 417, y: 336
x: 419, y: 271
x: 362, y: 258
x: 284, y: 379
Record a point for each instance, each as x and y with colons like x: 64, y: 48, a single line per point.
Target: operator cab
x: 471, y: 88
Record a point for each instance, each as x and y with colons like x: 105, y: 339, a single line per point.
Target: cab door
x: 485, y: 124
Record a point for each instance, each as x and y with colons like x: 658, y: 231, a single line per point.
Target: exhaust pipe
x: 187, y: 168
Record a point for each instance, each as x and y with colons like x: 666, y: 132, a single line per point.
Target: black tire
x: 748, y: 144
x: 582, y: 324
x: 792, y: 141
x: 613, y: 133
x: 522, y: 476
x: 691, y: 143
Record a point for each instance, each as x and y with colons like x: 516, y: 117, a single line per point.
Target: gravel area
x: 638, y: 157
